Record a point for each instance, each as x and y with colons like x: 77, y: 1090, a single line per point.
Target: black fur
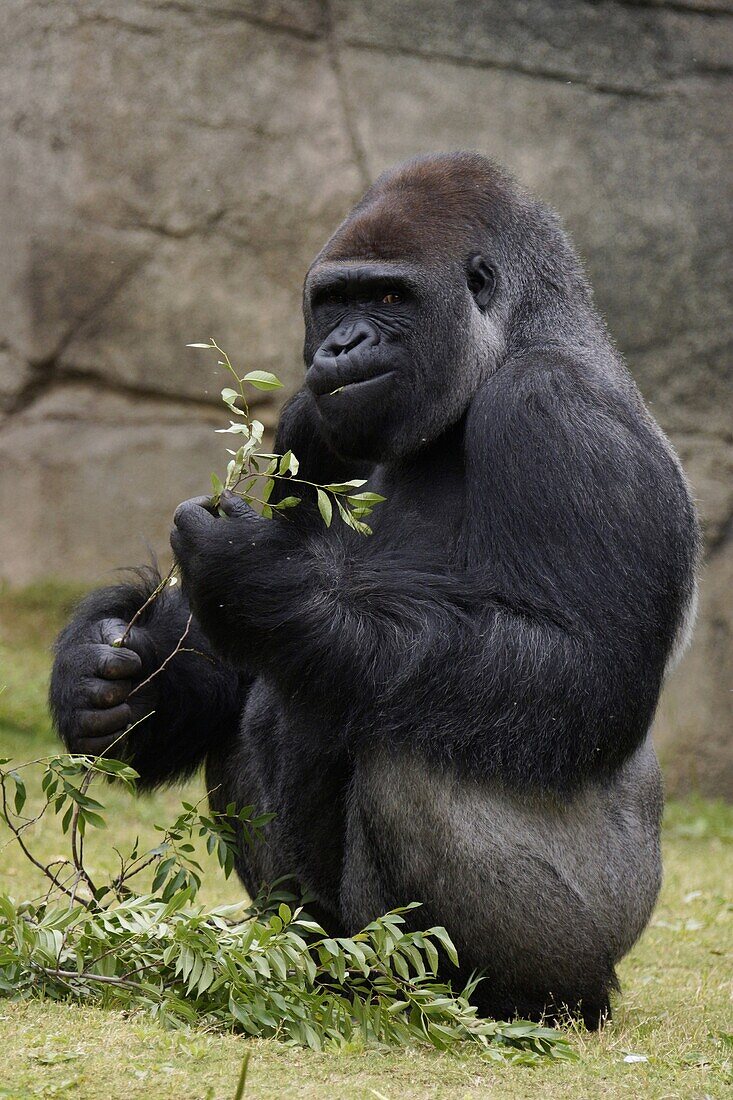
x: 503, y: 635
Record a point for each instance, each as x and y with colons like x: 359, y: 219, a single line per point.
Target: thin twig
x: 84, y: 976
x: 77, y: 840
x: 26, y: 825
x: 169, y: 658
x: 151, y: 598
x: 199, y: 653
x: 125, y: 874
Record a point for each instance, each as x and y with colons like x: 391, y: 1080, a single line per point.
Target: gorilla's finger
x: 95, y: 746
x: 234, y: 506
x: 176, y: 541
x: 111, y: 629
x: 98, y: 723
x: 194, y: 515
x: 118, y: 664
x: 107, y: 693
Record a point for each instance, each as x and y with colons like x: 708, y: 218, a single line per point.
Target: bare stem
x: 77, y: 841
x: 87, y: 977
x: 151, y: 598
x: 168, y: 659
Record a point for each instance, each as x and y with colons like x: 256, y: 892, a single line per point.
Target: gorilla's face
x: 391, y: 350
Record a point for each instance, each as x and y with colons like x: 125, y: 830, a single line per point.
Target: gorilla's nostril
x: 347, y: 337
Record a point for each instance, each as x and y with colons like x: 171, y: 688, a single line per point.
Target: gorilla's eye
x: 390, y: 299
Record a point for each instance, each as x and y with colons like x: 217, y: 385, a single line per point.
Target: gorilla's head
x: 419, y: 295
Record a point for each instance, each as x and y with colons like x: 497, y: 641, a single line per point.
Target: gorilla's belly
x: 525, y: 883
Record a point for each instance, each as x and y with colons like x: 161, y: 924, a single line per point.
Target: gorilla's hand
x: 206, y: 543
x: 225, y: 560
x: 94, y: 686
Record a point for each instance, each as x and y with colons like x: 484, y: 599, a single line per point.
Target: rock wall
x: 169, y: 167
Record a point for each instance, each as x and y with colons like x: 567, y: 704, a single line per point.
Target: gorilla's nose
x: 349, y: 336
x: 340, y: 359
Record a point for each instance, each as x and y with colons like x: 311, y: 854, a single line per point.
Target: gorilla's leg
x: 540, y: 894
x: 278, y: 765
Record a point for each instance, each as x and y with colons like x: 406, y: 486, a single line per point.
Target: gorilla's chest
x: 423, y: 509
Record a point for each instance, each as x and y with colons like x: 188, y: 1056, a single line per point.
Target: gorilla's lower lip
x: 362, y: 383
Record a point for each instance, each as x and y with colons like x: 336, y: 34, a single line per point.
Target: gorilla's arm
x: 540, y: 658
x: 97, y: 690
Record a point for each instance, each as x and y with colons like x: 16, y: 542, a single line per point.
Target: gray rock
x: 16, y: 375
x: 92, y: 479
x: 625, y: 47
x: 694, y: 721
x: 168, y: 170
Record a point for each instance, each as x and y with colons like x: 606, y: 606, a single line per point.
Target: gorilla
x: 456, y: 710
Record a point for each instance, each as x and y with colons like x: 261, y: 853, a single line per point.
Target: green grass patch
x: 674, y: 1009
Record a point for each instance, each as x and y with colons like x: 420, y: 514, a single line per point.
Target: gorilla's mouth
x: 360, y: 384
x: 334, y: 379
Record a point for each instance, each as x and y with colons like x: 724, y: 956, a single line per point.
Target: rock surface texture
x: 168, y: 170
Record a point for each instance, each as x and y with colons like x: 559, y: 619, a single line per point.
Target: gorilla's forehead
x: 406, y: 227
x: 431, y: 208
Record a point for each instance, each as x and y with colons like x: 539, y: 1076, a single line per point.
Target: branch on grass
x: 84, y: 976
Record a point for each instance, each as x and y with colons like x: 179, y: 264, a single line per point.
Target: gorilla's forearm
x: 366, y: 641
x: 193, y: 699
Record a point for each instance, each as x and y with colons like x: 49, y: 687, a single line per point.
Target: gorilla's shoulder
x: 562, y: 386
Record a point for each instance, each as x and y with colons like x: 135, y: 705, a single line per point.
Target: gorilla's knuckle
x: 115, y: 664
x: 98, y: 722
x: 111, y: 630
x: 108, y: 693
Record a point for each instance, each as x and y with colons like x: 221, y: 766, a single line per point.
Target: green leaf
x: 368, y: 498
x: 288, y: 464
x: 229, y: 395
x: 217, y: 485
x: 287, y: 502
x: 241, y: 1083
x: 20, y: 791
x: 234, y: 428
x: 345, y: 486
x: 262, y: 380
x: 443, y: 938
x: 199, y: 345
x: 325, y: 507
x: 350, y: 521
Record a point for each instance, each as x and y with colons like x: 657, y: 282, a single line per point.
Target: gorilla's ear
x: 481, y: 279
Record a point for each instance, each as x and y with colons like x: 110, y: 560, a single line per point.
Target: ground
x: 674, y: 1010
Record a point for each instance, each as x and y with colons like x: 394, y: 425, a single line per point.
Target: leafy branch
x: 267, y: 970
x: 252, y: 473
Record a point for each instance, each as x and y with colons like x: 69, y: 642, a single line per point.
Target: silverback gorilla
x: 457, y: 709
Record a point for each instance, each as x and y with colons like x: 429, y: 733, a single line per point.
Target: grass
x: 674, y: 1010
